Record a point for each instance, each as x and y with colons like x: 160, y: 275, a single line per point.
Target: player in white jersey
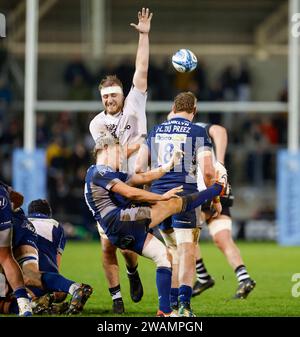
x: 126, y: 120
x: 220, y: 227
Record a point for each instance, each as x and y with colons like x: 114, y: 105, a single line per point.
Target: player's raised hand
x: 172, y: 193
x: 144, y: 21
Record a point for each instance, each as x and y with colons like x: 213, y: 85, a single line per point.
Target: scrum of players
x: 174, y: 157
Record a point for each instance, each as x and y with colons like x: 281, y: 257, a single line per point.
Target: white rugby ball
x: 184, y: 60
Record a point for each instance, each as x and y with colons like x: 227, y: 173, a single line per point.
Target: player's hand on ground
x: 172, y: 193
x: 144, y: 21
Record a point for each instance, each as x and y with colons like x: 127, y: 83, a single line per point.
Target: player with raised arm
x: 220, y: 227
x: 125, y: 119
x: 115, y: 202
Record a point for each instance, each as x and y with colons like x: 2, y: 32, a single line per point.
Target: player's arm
x: 96, y: 127
x: 149, y: 176
x: 131, y: 149
x: 205, y: 163
x: 219, y: 135
x: 142, y: 159
x: 142, y: 55
x: 140, y: 195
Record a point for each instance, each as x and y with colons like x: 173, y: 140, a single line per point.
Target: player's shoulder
x: 134, y: 91
x: 103, y: 171
x: 202, y: 125
x: 201, y: 128
x: 98, y: 118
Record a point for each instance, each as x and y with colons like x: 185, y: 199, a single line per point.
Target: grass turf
x: 270, y: 265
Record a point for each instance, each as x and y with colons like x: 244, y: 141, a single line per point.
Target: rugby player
x: 125, y: 119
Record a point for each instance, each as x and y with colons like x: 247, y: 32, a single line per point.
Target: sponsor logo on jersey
x: 160, y: 137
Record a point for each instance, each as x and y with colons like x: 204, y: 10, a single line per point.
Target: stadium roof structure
x: 208, y: 26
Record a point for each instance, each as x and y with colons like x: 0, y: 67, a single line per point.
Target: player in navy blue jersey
x: 115, y: 203
x: 180, y: 232
x: 38, y: 244
x: 9, y: 199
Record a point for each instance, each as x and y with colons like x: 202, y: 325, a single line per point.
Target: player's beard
x: 113, y: 109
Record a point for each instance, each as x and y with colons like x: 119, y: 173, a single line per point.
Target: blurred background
x: 241, y: 83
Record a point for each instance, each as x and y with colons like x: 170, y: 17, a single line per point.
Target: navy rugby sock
x: 194, y: 200
x: 163, y: 284
x: 174, y: 297
x: 185, y: 293
x: 56, y: 282
x: 13, y: 308
x: 21, y: 292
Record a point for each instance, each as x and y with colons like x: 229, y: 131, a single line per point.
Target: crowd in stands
x: 232, y: 84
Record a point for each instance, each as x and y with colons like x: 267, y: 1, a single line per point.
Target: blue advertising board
x: 29, y: 174
x: 288, y: 200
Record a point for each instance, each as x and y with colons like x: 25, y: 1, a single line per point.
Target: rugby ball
x: 184, y: 60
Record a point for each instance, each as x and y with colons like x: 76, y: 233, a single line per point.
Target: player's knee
x: 170, y: 241
x: 218, y: 225
x: 29, y: 263
x: 157, y: 252
x: 130, y: 257
x: 187, y: 235
x: 108, y: 248
x: 32, y: 278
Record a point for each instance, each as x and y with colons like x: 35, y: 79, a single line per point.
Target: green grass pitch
x: 270, y: 265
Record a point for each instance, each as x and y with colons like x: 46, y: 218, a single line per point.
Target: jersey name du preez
x: 180, y: 133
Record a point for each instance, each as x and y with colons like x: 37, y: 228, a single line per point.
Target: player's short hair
x: 110, y: 80
x: 185, y: 101
x: 40, y: 206
x: 105, y: 139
